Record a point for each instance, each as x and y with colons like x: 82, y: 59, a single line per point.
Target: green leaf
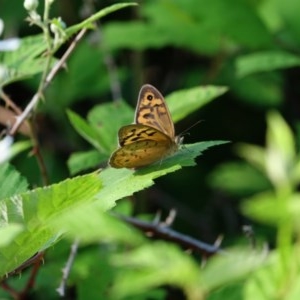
x: 34, y: 210
x: 120, y: 183
x: 288, y: 11
x: 236, y: 265
x: 104, y: 121
x: 270, y: 209
x: 103, y: 124
x: 264, y: 208
x: 19, y: 147
x: 78, y: 221
x: 265, y: 62
x: 153, y: 265
x: 11, y: 181
x: 280, y: 152
x: 255, y: 155
x: 89, y: 22
x: 184, y: 102
x: 39, y: 210
x: 9, y: 233
x: 279, y: 160
x: 238, y: 179
x: 264, y: 90
x: 85, y: 130
x: 107, y: 119
x: 273, y: 279
x: 178, y: 23
x: 280, y: 136
x: 81, y: 161
x: 23, y: 62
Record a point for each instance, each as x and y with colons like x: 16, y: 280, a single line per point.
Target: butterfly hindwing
x: 137, y: 132
x: 141, y: 153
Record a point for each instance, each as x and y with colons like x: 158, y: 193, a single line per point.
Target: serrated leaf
x: 34, y: 210
x: 78, y: 222
x: 11, y: 181
x: 120, y: 183
x: 265, y: 62
x: 38, y: 209
x: 9, y: 233
x: 101, y: 132
x: 25, y: 61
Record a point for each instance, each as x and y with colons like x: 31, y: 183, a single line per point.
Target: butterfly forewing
x: 152, y: 110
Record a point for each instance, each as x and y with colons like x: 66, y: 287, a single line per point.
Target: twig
x: 36, y: 260
x: 170, y: 218
x: 33, y: 102
x: 40, y: 159
x: 14, y: 294
x: 162, y: 231
x: 67, y: 269
x: 31, y: 281
x: 32, y: 260
x: 9, y: 103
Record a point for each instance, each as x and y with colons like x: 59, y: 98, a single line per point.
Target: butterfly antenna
x: 186, y: 130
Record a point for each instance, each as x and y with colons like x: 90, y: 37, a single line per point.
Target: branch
x: 162, y: 230
x: 32, y: 104
x: 67, y: 269
x: 35, y: 259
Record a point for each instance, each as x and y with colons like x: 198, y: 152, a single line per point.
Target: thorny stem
x: 67, y: 269
x: 161, y: 230
x: 46, y: 82
x: 9, y: 102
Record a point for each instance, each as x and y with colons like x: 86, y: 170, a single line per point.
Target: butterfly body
x: 151, y: 138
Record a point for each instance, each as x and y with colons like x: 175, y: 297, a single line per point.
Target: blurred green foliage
x: 192, y: 51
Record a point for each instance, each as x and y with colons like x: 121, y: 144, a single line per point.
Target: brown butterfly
x: 151, y: 137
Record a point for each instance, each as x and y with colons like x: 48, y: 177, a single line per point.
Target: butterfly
x: 152, y: 136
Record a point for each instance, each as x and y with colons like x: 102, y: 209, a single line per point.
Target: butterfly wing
x: 152, y: 110
x: 138, y: 132
x: 141, y: 153
x: 141, y: 145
